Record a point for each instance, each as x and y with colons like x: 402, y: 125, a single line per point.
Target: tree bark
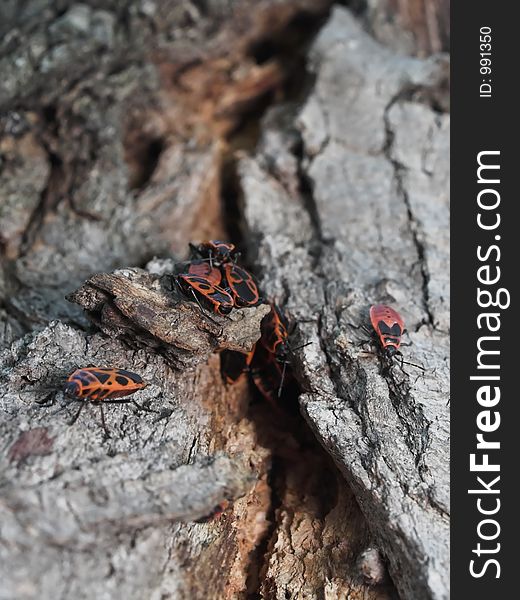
x: 354, y: 214
x: 128, y: 130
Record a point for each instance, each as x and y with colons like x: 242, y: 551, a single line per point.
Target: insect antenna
x: 53, y: 387
x: 293, y: 350
x: 201, y: 259
x: 405, y: 362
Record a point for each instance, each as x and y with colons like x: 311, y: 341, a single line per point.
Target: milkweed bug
x: 219, y: 298
x: 216, y: 251
x: 242, y: 285
x: 204, y: 269
x: 389, y: 327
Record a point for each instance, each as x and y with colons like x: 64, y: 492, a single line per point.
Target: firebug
x: 216, y: 251
x: 220, y: 300
x: 242, y: 285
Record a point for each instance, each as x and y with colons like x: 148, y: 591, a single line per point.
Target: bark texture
x: 128, y: 129
x: 350, y: 208
x: 417, y: 27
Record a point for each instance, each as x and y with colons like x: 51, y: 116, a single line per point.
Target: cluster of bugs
x: 213, y: 277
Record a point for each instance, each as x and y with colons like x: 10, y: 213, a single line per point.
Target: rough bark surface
x: 350, y: 208
x: 128, y: 129
x: 417, y: 27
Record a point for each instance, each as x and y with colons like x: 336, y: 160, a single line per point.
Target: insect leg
x: 107, y: 434
x: 197, y: 300
x: 362, y: 327
x: 202, y: 310
x: 280, y: 387
x: 129, y: 401
x: 142, y: 407
x: 75, y: 418
x: 366, y: 330
x: 66, y: 405
x: 400, y: 363
x: 369, y: 353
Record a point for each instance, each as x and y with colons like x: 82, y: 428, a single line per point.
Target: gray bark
x: 356, y: 216
x: 120, y: 126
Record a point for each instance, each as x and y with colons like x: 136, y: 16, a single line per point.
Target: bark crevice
x: 140, y: 129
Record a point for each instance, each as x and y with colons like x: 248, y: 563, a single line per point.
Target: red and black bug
x: 202, y: 268
x: 216, y: 251
x: 242, y: 285
x: 98, y: 384
x: 267, y: 360
x: 268, y: 374
x: 219, y: 298
x: 389, y: 326
x: 269, y: 364
x: 275, y: 336
x: 233, y: 364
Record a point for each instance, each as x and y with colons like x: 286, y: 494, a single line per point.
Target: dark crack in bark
x: 414, y: 226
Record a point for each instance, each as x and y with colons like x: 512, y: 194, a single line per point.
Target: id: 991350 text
x: 485, y: 62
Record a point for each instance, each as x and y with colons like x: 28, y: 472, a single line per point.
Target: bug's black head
x: 223, y: 250
x: 391, y: 351
x: 72, y: 389
x: 223, y: 309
